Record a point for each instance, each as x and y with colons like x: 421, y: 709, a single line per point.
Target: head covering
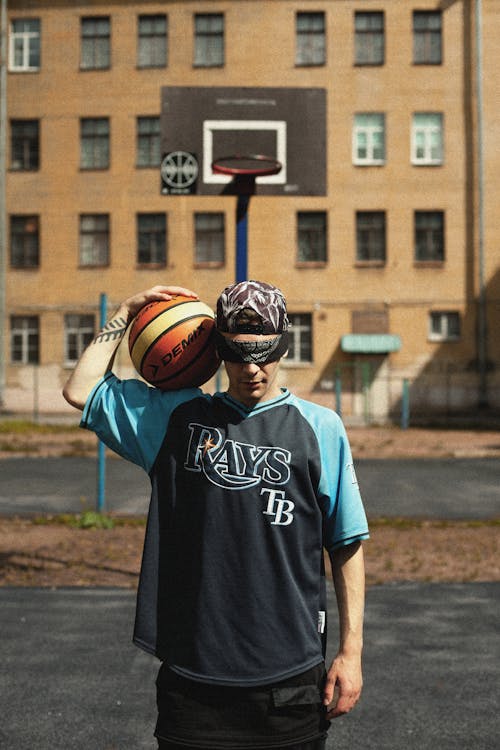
x: 266, y: 300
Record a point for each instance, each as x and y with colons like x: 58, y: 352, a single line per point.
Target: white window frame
x: 297, y: 330
x: 429, y: 131
x: 27, y: 330
x: 369, y: 130
x: 83, y: 334
x: 25, y: 37
x: 446, y: 332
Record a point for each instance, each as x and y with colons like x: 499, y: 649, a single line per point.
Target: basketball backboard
x: 202, y: 124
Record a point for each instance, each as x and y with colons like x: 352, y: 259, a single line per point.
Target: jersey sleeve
x: 345, y: 517
x: 130, y: 417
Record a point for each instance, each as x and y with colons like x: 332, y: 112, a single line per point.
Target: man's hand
x: 343, y: 685
x: 155, y: 294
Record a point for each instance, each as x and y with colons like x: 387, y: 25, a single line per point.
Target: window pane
x: 209, y: 40
x: 369, y: 38
x: 148, y: 142
x: 311, y: 236
x: 95, y: 43
x: 310, y: 41
x: 152, y: 238
x: 300, y: 338
x: 210, y: 238
x: 429, y: 236
x: 152, y: 47
x: 370, y: 236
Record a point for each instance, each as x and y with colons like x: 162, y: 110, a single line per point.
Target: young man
x: 248, y: 487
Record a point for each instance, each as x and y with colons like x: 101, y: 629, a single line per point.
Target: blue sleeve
x: 338, y: 491
x: 130, y: 417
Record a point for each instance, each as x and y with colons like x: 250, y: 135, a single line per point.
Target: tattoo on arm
x: 111, y: 331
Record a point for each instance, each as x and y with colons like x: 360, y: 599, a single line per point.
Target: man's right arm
x: 98, y: 357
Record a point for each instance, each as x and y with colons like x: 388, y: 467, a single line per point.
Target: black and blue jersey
x: 243, y: 502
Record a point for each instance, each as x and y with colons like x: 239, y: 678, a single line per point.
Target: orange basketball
x: 172, y: 344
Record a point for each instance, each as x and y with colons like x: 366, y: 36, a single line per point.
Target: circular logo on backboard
x: 179, y: 171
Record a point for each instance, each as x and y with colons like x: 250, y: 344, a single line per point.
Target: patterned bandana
x: 258, y: 352
x: 264, y: 299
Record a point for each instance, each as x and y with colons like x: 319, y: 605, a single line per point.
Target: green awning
x: 370, y: 343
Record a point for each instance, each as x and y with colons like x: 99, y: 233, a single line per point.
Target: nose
x: 250, y: 368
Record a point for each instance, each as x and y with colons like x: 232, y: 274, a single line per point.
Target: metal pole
x: 101, y: 448
x: 3, y: 199
x: 482, y: 351
x: 405, y: 405
x: 242, y: 238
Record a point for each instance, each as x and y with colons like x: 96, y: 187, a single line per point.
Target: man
x: 248, y: 487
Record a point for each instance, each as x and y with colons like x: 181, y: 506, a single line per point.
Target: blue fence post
x: 405, y: 405
x: 338, y: 394
x: 101, y: 448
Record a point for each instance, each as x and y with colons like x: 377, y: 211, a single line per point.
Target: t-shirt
x: 243, y: 502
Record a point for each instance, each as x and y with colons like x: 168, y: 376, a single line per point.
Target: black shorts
x: 287, y: 714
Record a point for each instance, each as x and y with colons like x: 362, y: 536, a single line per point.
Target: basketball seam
x: 186, y: 367
x: 163, y: 333
x: 166, y: 309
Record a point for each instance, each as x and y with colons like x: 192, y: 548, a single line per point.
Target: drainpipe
x: 3, y: 212
x: 482, y: 330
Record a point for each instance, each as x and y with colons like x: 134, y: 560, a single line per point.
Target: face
x: 252, y: 383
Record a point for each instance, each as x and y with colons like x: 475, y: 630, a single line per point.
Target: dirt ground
x: 54, y: 552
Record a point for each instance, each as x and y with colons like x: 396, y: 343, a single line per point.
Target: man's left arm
x: 344, y: 680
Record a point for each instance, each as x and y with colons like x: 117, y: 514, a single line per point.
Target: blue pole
x: 338, y: 394
x: 242, y: 238
x: 101, y: 448
x: 405, y: 406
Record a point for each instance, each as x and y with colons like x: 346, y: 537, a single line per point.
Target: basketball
x: 171, y: 343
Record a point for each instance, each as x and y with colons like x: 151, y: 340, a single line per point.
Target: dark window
x: 427, y: 38
x: 94, y: 143
x: 152, y: 239
x: 24, y: 242
x: 96, y: 43
x: 311, y: 236
x: 94, y: 240
x: 210, y: 238
x: 78, y: 333
x: 370, y: 236
x: 148, y: 142
x: 300, y: 338
x: 429, y: 236
x: 310, y: 39
x: 444, y: 326
x: 24, y: 339
x: 152, y: 42
x: 209, y: 40
x: 24, y: 156
x: 369, y: 38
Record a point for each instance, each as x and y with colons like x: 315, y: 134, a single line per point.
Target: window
x: 370, y: 236
x: 444, y: 326
x: 24, y: 242
x: 148, y: 142
x: 94, y: 240
x: 152, y: 239
x: 209, y: 40
x: 311, y: 237
x: 24, y: 50
x: 94, y: 143
x: 429, y: 236
x: 24, y: 145
x: 210, y: 238
x: 427, y: 37
x: 310, y: 38
x: 96, y: 43
x: 78, y: 333
x: 369, y: 38
x: 24, y: 339
x: 427, y: 138
x: 369, y: 139
x: 300, y: 338
x: 152, y: 42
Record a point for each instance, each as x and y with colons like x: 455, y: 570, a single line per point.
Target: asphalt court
x: 72, y: 680
x: 428, y: 488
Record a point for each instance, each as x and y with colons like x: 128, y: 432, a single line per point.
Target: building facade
x: 392, y: 277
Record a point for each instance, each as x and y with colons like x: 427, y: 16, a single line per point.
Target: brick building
x: 392, y: 275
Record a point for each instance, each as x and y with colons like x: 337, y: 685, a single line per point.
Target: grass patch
x: 89, y: 519
x: 24, y: 427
